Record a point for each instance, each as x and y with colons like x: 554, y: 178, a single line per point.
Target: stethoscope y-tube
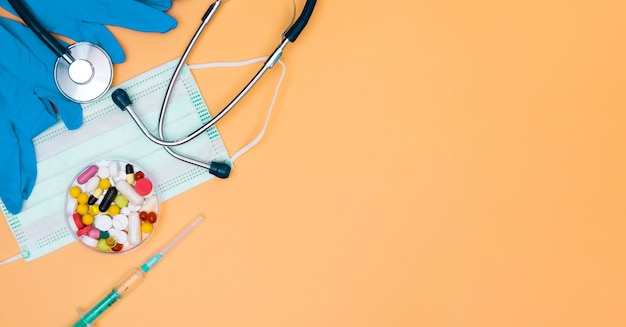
x: 83, y: 72
x: 222, y: 170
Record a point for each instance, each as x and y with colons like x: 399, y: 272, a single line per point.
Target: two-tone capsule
x: 108, y: 198
x: 130, y: 174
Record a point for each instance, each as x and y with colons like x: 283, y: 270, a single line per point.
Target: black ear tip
x: 121, y: 99
x: 219, y: 169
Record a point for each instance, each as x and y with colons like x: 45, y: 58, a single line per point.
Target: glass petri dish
x: 112, y: 206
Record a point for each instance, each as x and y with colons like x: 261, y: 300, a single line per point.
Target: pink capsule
x: 87, y: 174
x: 94, y: 233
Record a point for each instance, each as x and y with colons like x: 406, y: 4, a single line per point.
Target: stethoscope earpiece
x: 219, y: 169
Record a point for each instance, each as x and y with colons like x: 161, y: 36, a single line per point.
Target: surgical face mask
x: 109, y: 133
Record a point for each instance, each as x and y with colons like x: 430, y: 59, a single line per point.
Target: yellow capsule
x: 75, y: 191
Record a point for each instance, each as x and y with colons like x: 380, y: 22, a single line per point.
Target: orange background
x: 428, y: 163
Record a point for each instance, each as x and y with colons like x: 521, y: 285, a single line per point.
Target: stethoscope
x: 84, y: 72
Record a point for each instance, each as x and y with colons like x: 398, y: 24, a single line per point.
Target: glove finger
x: 27, y: 165
x: 71, y: 112
x: 39, y: 108
x: 32, y: 110
x: 162, y: 5
x: 21, y: 46
x: 73, y: 21
x: 128, y: 14
x: 36, y: 105
x: 29, y: 41
x: 11, y: 186
x: 30, y: 115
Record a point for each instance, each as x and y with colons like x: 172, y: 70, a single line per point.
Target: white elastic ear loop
x: 11, y: 259
x: 258, y: 138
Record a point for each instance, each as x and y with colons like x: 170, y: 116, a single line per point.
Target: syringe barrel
x: 125, y: 286
x: 128, y: 284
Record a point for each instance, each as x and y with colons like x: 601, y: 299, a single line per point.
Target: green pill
x: 121, y: 201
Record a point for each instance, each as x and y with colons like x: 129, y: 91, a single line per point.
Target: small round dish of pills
x: 112, y: 206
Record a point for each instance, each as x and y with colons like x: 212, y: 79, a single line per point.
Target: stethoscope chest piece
x: 88, y: 76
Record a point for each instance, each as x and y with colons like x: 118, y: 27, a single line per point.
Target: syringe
x: 133, y: 279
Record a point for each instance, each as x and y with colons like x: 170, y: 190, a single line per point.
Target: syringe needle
x: 179, y: 237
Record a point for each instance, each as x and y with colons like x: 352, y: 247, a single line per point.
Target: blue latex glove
x: 25, y: 109
x: 84, y: 20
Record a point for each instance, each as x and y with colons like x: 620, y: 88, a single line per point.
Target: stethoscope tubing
x: 123, y: 100
x: 52, y: 43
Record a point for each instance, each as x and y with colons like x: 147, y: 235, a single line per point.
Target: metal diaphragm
x: 90, y: 75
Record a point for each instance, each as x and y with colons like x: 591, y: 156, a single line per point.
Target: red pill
x: 143, y: 215
x: 143, y: 186
x: 118, y: 247
x: 78, y: 220
x: 84, y: 230
x: 139, y: 175
x: 152, y: 217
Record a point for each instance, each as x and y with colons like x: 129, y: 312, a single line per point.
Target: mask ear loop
x: 11, y: 259
x: 258, y: 138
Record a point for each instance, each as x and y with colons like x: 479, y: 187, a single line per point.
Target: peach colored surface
x: 429, y: 163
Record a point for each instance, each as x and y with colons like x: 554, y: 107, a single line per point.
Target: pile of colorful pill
x: 112, y: 206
